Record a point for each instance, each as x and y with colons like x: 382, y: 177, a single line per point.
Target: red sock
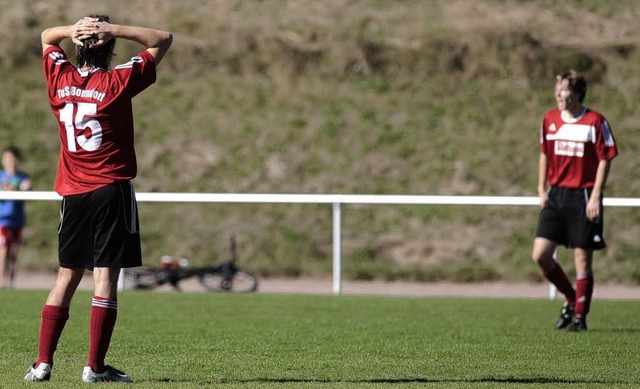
x: 584, y: 292
x: 53, y: 320
x: 101, y: 323
x: 558, y: 278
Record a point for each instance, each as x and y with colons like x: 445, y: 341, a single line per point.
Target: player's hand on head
x: 102, y: 32
x: 83, y: 29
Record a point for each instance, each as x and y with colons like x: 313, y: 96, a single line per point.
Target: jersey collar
x: 85, y: 73
x: 568, y: 119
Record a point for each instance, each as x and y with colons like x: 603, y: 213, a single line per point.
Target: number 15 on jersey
x: 77, y: 127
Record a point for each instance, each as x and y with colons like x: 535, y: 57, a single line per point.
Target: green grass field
x: 203, y: 340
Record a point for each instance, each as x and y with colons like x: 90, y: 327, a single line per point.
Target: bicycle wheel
x: 142, y: 278
x: 242, y: 282
x: 214, y: 281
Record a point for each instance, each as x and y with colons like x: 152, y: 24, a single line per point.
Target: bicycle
x: 222, y: 277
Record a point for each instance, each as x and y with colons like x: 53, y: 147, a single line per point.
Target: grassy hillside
x: 339, y: 96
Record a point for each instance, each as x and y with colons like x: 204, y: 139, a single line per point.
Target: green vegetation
x: 191, y: 340
x: 355, y: 97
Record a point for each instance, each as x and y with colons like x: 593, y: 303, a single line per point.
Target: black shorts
x: 564, y: 220
x: 100, y: 229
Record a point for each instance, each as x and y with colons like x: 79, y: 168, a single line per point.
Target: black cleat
x: 577, y: 326
x: 566, y: 315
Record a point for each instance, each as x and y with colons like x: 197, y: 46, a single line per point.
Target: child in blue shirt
x: 12, y: 216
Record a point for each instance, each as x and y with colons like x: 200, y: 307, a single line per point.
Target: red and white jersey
x: 95, y: 118
x: 575, y: 146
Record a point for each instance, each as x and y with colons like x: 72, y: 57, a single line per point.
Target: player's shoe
x: 110, y: 374
x: 37, y: 374
x: 577, y: 326
x: 566, y: 315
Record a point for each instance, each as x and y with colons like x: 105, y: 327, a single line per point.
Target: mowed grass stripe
x: 260, y: 340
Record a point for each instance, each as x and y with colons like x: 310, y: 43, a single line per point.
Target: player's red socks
x: 558, y: 278
x: 53, y: 320
x: 584, y: 292
x: 101, y: 323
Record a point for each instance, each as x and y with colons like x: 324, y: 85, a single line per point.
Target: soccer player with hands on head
x: 576, y: 149
x: 98, y: 228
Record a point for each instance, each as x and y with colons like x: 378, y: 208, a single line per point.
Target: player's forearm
x: 157, y: 42
x: 601, y: 178
x: 55, y: 35
x: 147, y: 37
x: 542, y: 174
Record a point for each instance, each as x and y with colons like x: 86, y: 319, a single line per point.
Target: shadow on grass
x: 615, y: 330
x: 419, y: 380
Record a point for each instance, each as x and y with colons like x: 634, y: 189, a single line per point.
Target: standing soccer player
x: 577, y: 147
x: 98, y: 227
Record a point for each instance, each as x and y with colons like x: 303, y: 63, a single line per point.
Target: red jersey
x: 95, y: 119
x: 575, y: 146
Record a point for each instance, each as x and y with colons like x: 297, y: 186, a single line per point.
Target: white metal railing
x: 335, y: 199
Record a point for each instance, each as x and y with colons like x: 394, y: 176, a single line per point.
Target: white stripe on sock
x: 111, y: 304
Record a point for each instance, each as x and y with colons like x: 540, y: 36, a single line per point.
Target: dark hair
x: 100, y: 57
x: 577, y: 83
x: 15, y: 151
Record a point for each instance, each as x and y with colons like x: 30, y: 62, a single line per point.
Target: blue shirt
x: 12, y: 211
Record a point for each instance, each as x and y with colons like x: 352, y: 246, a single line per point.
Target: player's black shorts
x: 563, y: 220
x: 100, y: 229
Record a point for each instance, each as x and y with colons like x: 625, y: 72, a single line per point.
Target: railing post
x: 121, y: 281
x: 337, y: 244
x: 553, y: 292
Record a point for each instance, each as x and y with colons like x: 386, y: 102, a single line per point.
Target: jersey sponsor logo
x: 573, y: 132
x: 77, y: 92
x: 569, y: 148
